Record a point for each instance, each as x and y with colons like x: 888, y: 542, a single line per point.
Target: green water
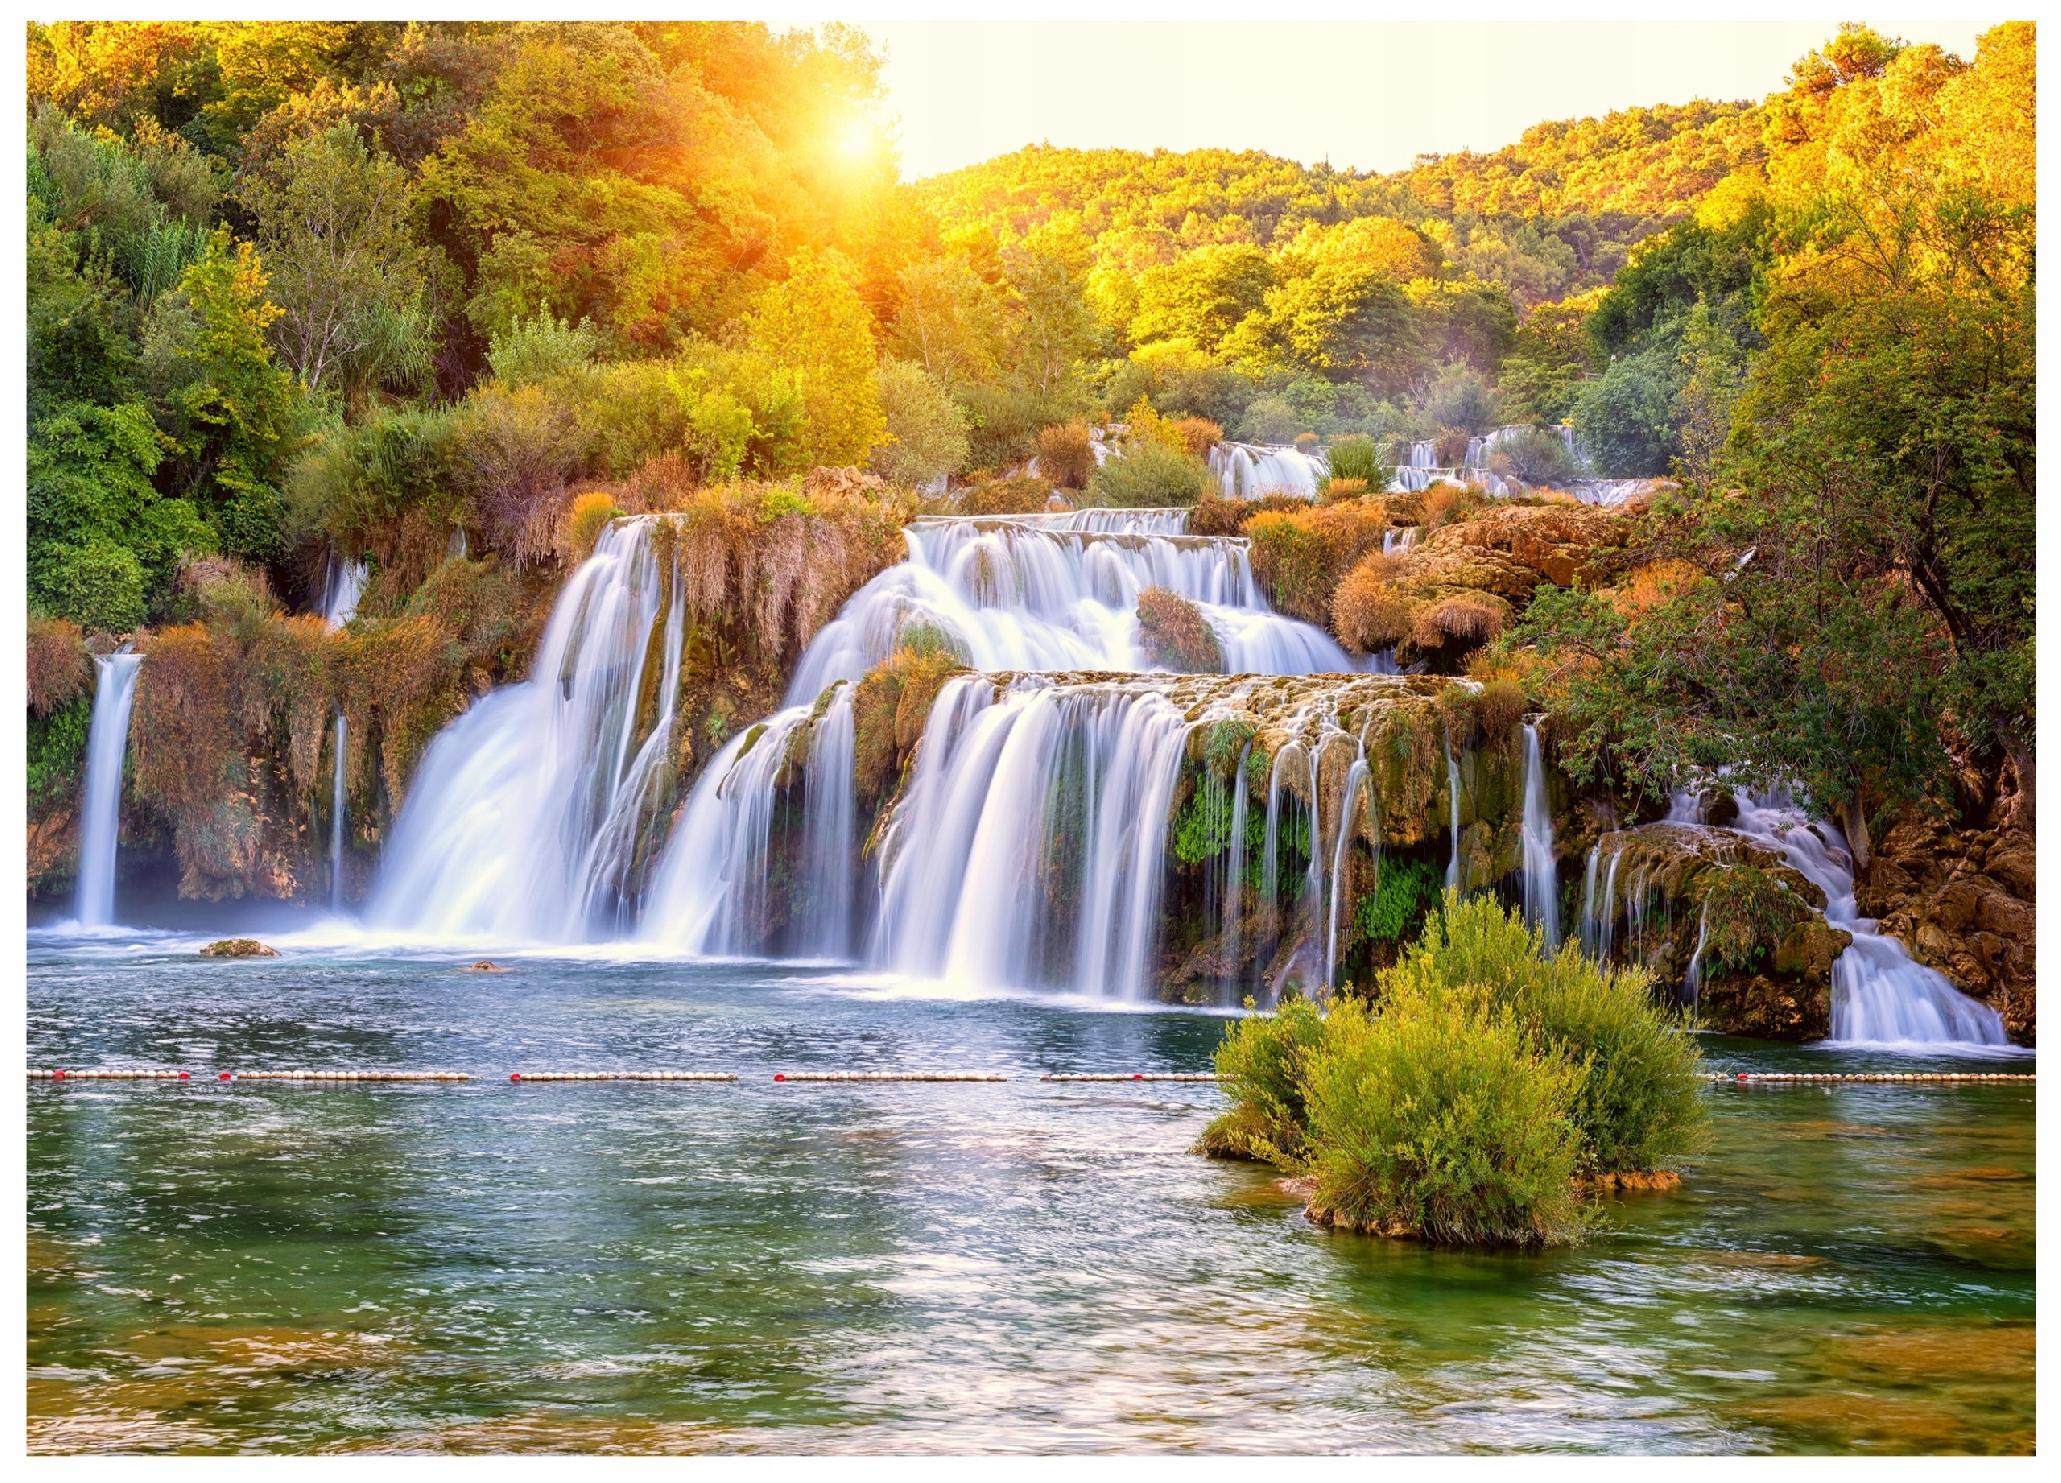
x: 995, y: 1266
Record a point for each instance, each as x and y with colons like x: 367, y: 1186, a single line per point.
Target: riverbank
x: 929, y: 1267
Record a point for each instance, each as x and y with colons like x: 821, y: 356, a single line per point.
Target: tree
x: 814, y: 324
x: 926, y: 431
x: 228, y: 413
x: 343, y: 266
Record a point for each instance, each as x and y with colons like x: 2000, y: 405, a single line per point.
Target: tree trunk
x: 1854, y: 820
x: 2024, y: 764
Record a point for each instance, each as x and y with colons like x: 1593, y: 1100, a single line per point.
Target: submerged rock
x: 238, y: 947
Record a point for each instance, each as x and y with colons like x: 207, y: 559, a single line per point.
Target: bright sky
x: 1370, y: 95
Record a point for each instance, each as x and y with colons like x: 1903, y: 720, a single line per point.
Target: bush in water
x: 1150, y: 473
x: 1356, y: 457
x: 1175, y: 634
x: 1436, y: 1118
x: 1302, y: 554
x: 1465, y: 1103
x: 1536, y: 456
x: 1260, y: 1067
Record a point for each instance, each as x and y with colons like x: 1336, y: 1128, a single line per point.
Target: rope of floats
x: 126, y: 1073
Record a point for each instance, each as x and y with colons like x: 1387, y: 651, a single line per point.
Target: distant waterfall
x: 528, y: 809
x: 341, y: 590
x: 336, y: 818
x: 1250, y: 470
x: 1455, y: 880
x: 1541, y: 880
x: 100, y: 816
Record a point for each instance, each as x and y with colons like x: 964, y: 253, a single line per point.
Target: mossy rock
x: 239, y: 947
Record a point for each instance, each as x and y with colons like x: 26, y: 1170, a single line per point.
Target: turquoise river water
x: 1015, y: 1266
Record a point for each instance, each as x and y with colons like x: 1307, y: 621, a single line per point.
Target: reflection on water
x: 1023, y: 1265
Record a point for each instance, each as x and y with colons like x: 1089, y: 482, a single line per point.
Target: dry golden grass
x: 1367, y: 613
x: 60, y: 670
x: 1066, y: 454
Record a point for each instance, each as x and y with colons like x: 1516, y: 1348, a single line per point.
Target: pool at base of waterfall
x: 986, y: 1266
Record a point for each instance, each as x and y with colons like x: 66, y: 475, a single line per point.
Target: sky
x: 1368, y: 95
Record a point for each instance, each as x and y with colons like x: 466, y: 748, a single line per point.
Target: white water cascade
x: 528, y: 813
x: 1880, y: 995
x: 340, y: 595
x: 1060, y: 592
x: 1250, y: 470
x: 1541, y: 879
x: 100, y: 816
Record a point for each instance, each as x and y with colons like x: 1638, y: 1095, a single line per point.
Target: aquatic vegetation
x: 1261, y: 1067
x: 1436, y: 1118
x: 1175, y: 634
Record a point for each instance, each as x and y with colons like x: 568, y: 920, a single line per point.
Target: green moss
x: 1395, y: 909
x: 1747, y: 912
x: 1202, y: 830
x: 57, y: 753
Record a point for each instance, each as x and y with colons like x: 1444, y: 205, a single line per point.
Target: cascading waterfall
x: 100, y: 814
x: 829, y: 848
x: 1249, y: 470
x: 336, y: 818
x: 1453, y: 878
x: 1541, y: 877
x: 1880, y: 995
x: 1355, y: 779
x: 497, y: 837
x: 1029, y: 854
x: 1059, y: 593
x: 1234, y: 897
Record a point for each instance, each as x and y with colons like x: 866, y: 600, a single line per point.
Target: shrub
x: 1449, y: 446
x: 1198, y: 434
x: 1638, y: 1101
x: 1500, y: 705
x: 1535, y: 456
x: 637, y: 411
x: 1271, y: 419
x: 1356, y: 457
x: 1466, y: 619
x: 513, y: 452
x: 1214, y: 515
x: 1175, y: 635
x: 892, y: 704
x: 1367, y: 613
x: 1020, y: 494
x: 1150, y: 473
x: 1336, y: 489
x: 1435, y: 1118
x: 1306, y: 442
x: 1402, y: 896
x: 531, y: 351
x: 59, y: 669
x: 97, y: 582
x: 1066, y: 454
x: 1459, y: 401
x: 1260, y: 1067
x: 926, y: 431
x: 584, y: 522
x: 1746, y: 912
x: 1302, y: 555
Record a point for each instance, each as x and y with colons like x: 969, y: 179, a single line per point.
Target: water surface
x: 992, y: 1266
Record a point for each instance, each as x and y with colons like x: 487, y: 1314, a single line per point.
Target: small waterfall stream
x: 340, y: 595
x: 100, y: 814
x: 1541, y: 878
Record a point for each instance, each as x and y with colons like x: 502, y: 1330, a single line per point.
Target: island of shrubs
x: 1482, y: 1092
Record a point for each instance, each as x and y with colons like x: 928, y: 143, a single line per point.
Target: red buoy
x: 58, y: 1074
x: 779, y: 1076
x: 1137, y: 1076
x: 515, y: 1076
x: 224, y: 1076
x: 185, y: 1076
x: 1742, y: 1076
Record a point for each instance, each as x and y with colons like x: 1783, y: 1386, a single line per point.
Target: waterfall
x: 340, y: 594
x: 1250, y: 470
x: 341, y: 589
x: 1234, y: 903
x: 1692, y: 981
x: 1453, y: 880
x: 1355, y: 779
x: 1058, y: 593
x: 1880, y: 995
x: 1035, y: 838
x: 829, y: 850
x: 336, y: 820
x: 498, y: 835
x: 1541, y: 880
x: 100, y: 814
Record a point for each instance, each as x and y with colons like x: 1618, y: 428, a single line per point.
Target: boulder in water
x: 238, y: 947
x: 485, y: 965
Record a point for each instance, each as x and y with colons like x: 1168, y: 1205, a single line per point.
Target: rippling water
x: 965, y: 1267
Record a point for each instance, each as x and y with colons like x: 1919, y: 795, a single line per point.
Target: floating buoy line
x: 126, y: 1073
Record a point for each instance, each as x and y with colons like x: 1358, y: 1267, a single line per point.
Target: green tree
x: 814, y: 324
x: 926, y: 431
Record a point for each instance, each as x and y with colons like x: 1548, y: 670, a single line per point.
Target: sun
x: 857, y: 140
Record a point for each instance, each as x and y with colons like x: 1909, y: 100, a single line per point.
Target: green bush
x: 1150, y: 473
x: 1536, y: 456
x: 1436, y: 1118
x: 1356, y: 457
x: 1396, y: 906
x: 1260, y: 1065
x: 1639, y: 1100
